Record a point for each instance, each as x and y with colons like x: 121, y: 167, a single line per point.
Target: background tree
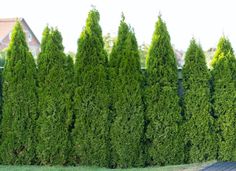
x: 53, y: 118
x: 143, y: 51
x: 199, y: 126
x: 224, y: 99
x: 109, y: 41
x: 164, y: 141
x: 91, y: 96
x: 128, y: 122
x: 20, y: 102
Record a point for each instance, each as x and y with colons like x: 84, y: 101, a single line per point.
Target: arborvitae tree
x: 224, y: 99
x: 164, y: 141
x: 114, y: 63
x: 115, y: 60
x: 199, y: 126
x: 20, y: 102
x: 52, y: 126
x: 90, y: 136
x: 128, y: 122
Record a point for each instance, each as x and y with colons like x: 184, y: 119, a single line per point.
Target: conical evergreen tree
x: 114, y: 63
x: 20, y: 102
x: 199, y: 126
x: 128, y: 122
x: 52, y: 123
x: 224, y: 98
x: 164, y: 141
x: 91, y: 96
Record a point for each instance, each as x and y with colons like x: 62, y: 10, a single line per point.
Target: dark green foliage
x: 1, y: 99
x: 69, y: 95
x: 20, y: 103
x: 164, y: 140
x: 3, y: 55
x: 69, y: 90
x: 90, y: 136
x: 199, y: 126
x: 115, y: 60
x: 54, y: 100
x: 224, y: 99
x: 128, y: 122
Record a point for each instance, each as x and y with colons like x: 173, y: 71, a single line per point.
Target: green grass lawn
x: 189, y: 167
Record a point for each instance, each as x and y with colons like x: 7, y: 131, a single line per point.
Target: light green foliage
x: 199, y: 126
x: 90, y: 136
x: 128, y: 115
x: 20, y: 102
x: 164, y: 140
x: 224, y: 99
x: 54, y: 100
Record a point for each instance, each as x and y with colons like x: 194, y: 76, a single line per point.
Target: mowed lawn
x: 189, y: 167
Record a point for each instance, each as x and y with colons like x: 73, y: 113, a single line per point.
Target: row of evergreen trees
x: 106, y: 111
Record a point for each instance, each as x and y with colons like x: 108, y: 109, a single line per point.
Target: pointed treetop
x: 194, y: 44
x: 92, y: 23
x: 224, y: 51
x: 45, y: 36
x: 119, y: 44
x: 57, y: 38
x: 159, y: 15
x: 18, y: 37
x: 122, y: 17
x: 160, y: 39
x: 160, y: 21
x: 194, y: 57
x: 93, y: 13
x: 193, y: 40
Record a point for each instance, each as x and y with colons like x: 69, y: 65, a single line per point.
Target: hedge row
x: 105, y: 111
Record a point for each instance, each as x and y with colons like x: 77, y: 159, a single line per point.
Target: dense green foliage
x: 128, y: 122
x: 1, y: 98
x: 165, y: 144
x: 3, y: 55
x: 113, y: 113
x: 69, y: 105
x: 20, y: 102
x: 200, y: 135
x: 91, y: 96
x: 224, y: 99
x: 54, y: 100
